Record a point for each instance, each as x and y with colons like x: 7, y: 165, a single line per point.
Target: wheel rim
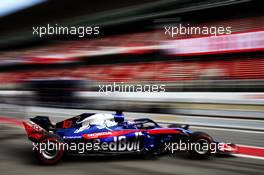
x: 50, y: 153
x: 200, y: 148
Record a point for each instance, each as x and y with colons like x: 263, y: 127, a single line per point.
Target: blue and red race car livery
x: 93, y: 134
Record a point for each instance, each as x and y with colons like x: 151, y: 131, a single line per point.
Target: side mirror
x: 183, y: 126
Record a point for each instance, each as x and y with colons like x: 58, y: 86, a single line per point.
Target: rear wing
x: 34, y: 132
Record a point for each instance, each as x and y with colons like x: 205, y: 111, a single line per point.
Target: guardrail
x: 58, y: 114
x: 243, y: 111
x: 194, y: 97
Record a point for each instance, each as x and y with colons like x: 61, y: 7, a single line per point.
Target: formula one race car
x: 93, y: 134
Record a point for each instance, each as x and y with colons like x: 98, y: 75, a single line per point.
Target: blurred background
x: 132, y: 48
x: 210, y: 81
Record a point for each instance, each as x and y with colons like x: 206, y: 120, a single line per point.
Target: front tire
x: 201, y: 145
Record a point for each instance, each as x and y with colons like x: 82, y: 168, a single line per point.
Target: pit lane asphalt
x: 16, y: 157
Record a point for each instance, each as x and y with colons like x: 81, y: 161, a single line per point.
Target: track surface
x: 16, y: 157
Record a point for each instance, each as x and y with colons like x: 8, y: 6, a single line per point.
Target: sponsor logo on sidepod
x: 121, y: 143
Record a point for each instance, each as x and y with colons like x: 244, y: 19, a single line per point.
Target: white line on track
x: 248, y: 156
x: 227, y: 129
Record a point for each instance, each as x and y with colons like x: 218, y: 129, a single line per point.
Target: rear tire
x: 50, y: 151
x: 201, y: 145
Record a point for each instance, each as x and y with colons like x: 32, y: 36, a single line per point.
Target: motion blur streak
x: 212, y: 81
x: 16, y: 152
